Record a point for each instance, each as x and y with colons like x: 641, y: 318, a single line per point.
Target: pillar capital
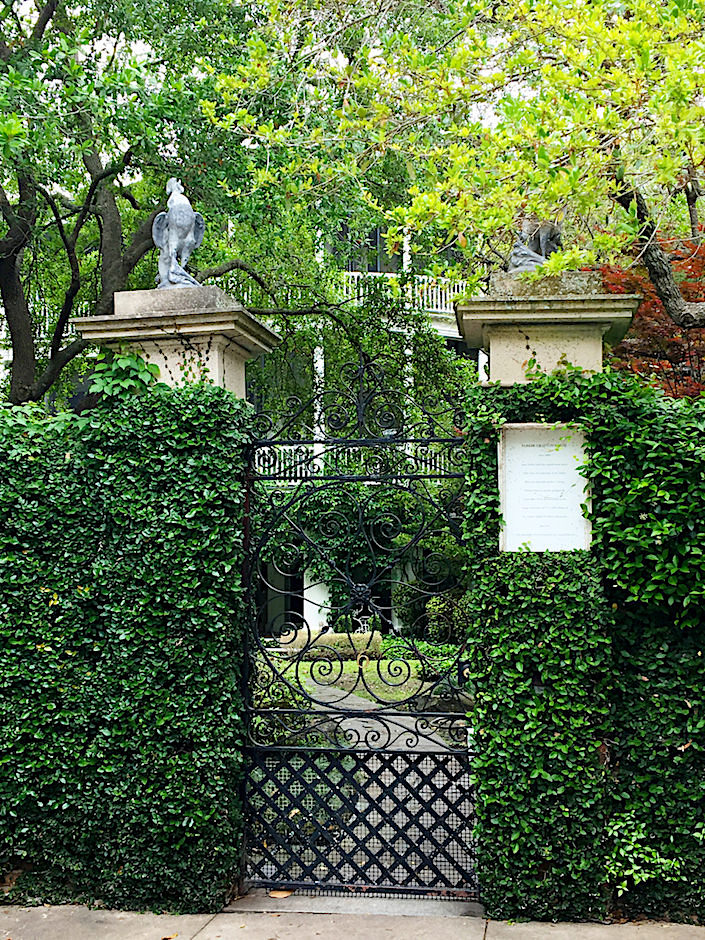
x: 562, y: 318
x: 191, y: 333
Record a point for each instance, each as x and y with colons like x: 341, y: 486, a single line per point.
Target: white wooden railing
x: 434, y: 294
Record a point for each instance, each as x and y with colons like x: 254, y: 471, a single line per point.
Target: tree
x: 655, y: 347
x: 100, y: 103
x: 588, y: 111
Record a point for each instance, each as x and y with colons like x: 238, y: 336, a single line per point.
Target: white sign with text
x: 541, y: 489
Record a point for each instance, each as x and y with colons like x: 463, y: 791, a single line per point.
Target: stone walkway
x: 71, y: 922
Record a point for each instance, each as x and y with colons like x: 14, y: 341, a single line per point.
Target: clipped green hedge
x: 120, y: 650
x: 539, y: 656
x: 588, y: 667
x: 332, y: 647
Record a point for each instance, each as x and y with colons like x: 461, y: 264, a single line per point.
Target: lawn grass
x: 374, y: 680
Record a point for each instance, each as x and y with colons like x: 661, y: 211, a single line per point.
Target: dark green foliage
x: 618, y: 821
x: 121, y: 548
x: 539, y: 652
x: 408, y: 363
x: 658, y: 766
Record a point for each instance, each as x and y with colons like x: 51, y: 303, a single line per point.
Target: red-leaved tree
x: 655, y: 346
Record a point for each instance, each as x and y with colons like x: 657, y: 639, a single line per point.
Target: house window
x: 368, y: 255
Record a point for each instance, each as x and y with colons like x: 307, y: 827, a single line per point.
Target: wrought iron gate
x: 358, y: 747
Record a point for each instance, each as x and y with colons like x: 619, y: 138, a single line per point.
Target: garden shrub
x: 445, y: 625
x: 629, y: 792
x: 121, y: 548
x: 431, y: 661
x: 335, y: 647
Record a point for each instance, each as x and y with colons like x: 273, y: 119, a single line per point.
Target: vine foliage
x: 120, y: 650
x: 587, y: 668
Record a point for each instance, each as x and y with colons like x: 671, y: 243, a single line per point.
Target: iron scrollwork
x: 356, y: 501
x: 359, y: 770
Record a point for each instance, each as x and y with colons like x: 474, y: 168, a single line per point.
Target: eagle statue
x: 535, y: 243
x: 177, y: 233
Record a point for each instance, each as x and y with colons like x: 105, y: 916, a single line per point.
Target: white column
x: 406, y: 252
x: 316, y: 602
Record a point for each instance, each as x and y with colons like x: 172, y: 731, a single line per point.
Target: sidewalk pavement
x: 70, y: 922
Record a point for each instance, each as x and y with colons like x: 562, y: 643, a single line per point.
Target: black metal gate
x: 358, y: 771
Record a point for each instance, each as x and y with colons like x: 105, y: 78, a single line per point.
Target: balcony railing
x: 433, y: 294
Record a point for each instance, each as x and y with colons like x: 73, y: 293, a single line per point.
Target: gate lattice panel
x: 358, y: 771
x: 375, y: 820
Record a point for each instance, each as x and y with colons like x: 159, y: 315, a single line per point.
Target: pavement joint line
x: 207, y: 924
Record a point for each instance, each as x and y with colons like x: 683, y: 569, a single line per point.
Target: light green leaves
x: 13, y: 136
x: 514, y: 108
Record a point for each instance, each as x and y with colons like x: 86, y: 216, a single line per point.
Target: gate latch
x: 463, y: 671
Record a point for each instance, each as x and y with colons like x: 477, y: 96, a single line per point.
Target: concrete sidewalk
x: 71, y: 922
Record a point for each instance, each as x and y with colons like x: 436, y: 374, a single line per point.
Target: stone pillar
x: 562, y: 318
x: 191, y: 333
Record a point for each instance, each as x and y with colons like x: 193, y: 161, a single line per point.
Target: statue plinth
x: 192, y: 334
x: 565, y: 318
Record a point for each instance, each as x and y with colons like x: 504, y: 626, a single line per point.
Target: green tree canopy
x: 588, y: 112
x: 99, y: 104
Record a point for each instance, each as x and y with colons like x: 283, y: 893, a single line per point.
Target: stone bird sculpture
x: 533, y: 245
x: 177, y: 233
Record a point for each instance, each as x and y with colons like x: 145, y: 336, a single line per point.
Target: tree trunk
x: 19, y: 321
x: 658, y: 265
x: 112, y: 273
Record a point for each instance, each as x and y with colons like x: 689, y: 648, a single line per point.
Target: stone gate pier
x: 563, y: 318
x: 191, y: 333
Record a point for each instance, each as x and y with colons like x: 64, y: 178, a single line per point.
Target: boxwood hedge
x: 120, y: 650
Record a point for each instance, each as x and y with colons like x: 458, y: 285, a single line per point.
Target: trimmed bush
x: 588, y: 668
x: 334, y: 647
x: 121, y: 549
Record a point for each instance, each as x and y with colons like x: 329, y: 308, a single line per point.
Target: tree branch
x: 6, y: 209
x: 126, y: 194
x: 331, y: 311
x: 42, y: 385
x: 96, y: 179
x: 693, y: 190
x: 20, y: 218
x: 45, y: 16
x: 75, y: 283
x: 236, y: 265
x: 140, y: 243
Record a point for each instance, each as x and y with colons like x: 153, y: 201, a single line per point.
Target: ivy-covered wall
x: 587, y: 667
x: 120, y: 649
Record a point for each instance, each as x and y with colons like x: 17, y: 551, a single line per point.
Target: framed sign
x: 541, y: 489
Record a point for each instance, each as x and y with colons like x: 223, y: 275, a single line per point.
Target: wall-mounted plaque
x: 541, y: 490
